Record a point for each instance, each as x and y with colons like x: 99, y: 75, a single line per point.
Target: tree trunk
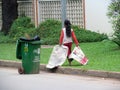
x: 9, y: 14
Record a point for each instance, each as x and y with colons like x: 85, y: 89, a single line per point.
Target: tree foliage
x: 114, y: 15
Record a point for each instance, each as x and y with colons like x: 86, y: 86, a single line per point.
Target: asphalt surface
x: 11, y: 80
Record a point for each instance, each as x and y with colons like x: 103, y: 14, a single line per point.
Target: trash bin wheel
x: 20, y: 70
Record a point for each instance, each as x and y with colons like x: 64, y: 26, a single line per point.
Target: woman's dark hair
x: 68, y: 28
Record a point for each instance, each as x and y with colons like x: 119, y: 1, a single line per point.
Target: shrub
x: 88, y: 36
x: 21, y: 26
x: 3, y: 38
x: 49, y: 31
x: 116, y: 39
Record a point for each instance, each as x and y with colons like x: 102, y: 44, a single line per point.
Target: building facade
x: 0, y: 15
x: 40, y: 10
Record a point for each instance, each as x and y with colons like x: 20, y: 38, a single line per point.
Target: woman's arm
x: 61, y: 37
x: 74, y: 38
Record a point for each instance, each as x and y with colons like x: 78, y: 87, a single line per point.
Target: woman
x: 66, y: 38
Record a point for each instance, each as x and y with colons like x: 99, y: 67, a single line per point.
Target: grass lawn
x: 103, y: 55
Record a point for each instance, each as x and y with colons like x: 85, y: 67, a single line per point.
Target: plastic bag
x: 78, y: 55
x: 58, y: 56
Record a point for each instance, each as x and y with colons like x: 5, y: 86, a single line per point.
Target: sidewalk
x: 47, y: 46
x: 70, y: 71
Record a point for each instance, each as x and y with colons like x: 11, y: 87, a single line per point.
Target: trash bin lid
x: 35, y: 40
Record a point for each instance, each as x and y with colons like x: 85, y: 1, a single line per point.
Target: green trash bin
x: 29, y: 52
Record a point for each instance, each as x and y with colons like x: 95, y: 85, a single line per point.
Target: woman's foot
x: 70, y: 60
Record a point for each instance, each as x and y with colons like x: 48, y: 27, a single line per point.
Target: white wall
x: 96, y: 19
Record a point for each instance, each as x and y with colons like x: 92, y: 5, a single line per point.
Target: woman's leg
x: 69, y: 45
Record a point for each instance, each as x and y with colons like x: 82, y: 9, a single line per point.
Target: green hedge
x: 89, y: 36
x: 49, y: 31
x: 4, y: 39
x: 21, y: 26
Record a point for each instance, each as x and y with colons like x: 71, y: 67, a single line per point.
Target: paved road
x: 11, y: 80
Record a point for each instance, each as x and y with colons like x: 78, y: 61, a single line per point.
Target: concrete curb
x: 70, y: 71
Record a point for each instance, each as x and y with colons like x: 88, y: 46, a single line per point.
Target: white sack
x: 58, y: 56
x: 78, y: 55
